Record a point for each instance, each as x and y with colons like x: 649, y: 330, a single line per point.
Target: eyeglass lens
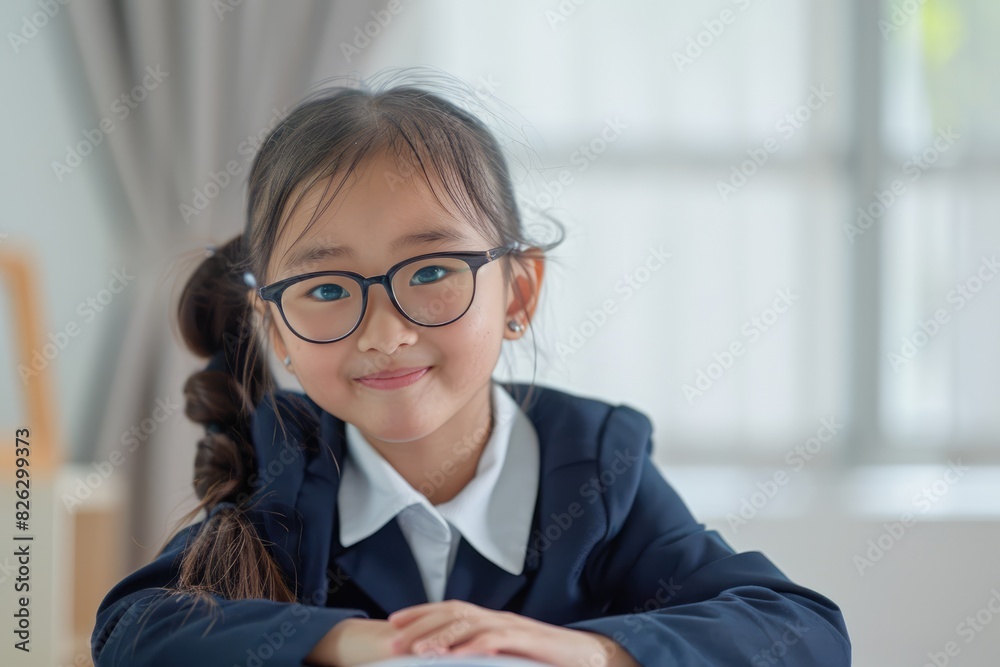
x: 433, y: 291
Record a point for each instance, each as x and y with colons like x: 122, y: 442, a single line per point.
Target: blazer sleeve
x: 678, y: 594
x: 139, y: 623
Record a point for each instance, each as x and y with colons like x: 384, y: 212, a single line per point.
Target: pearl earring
x: 514, y: 326
x: 288, y: 360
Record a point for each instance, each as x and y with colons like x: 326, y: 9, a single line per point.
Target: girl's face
x: 375, y: 207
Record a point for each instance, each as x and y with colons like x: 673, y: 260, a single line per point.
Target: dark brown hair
x: 325, y: 137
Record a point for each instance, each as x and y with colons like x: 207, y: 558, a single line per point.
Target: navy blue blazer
x: 613, y: 550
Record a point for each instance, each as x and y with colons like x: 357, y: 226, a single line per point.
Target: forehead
x: 384, y: 210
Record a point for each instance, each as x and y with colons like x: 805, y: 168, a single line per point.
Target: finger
x: 531, y: 641
x: 456, y: 632
x: 493, y: 641
x: 401, y: 617
x: 419, y: 628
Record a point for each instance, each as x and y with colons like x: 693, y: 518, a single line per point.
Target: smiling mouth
x: 393, y: 373
x: 402, y: 378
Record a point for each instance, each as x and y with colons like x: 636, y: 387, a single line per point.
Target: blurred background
x: 818, y: 350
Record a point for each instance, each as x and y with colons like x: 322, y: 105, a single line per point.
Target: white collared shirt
x: 493, y: 512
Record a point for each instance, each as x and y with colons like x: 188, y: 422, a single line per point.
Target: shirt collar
x: 493, y: 512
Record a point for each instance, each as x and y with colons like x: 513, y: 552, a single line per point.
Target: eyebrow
x: 311, y: 254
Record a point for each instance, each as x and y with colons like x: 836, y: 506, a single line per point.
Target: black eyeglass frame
x: 475, y: 260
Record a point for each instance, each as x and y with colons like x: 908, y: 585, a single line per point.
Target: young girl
x: 406, y: 502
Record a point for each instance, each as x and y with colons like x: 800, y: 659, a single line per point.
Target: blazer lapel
x: 480, y: 581
x: 382, y: 566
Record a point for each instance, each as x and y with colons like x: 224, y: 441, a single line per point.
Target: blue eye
x: 328, y: 292
x: 429, y: 274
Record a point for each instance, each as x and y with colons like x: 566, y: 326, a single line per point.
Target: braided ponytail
x: 227, y: 557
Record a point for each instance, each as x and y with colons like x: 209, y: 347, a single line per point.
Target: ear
x: 527, y: 274
x: 266, y: 314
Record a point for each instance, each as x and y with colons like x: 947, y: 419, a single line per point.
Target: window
x: 741, y: 138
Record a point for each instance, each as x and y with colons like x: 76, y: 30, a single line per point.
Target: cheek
x: 318, y: 367
x: 477, y: 337
x: 486, y: 316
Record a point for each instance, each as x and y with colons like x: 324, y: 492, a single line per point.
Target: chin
x: 396, y: 427
x: 399, y: 435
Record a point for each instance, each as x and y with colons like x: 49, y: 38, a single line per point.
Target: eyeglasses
x: 431, y: 290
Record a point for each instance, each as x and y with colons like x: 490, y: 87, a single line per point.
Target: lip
x: 401, y: 377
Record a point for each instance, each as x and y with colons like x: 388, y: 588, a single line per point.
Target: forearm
x: 175, y: 631
x: 740, y: 627
x: 614, y: 655
x: 323, y: 654
x: 352, y: 641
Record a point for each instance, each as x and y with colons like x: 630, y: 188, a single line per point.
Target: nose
x: 382, y: 327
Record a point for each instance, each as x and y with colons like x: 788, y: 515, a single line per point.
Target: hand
x: 454, y: 627
x: 354, y: 641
